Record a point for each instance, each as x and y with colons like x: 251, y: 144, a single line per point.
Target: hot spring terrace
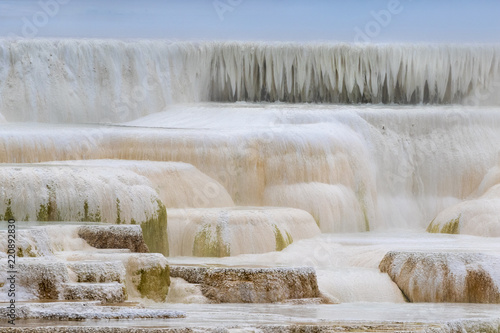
x: 254, y: 197
x: 238, y: 186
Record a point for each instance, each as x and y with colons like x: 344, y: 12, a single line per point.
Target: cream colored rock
x: 77, y: 311
x: 114, y: 237
x: 220, y: 232
x: 445, y: 277
x: 97, y: 271
x: 150, y: 275
x: 251, y: 285
x: 34, y: 242
x: 179, y: 185
x: 147, y: 274
x: 36, y: 279
x: 77, y: 193
x: 112, y: 292
x: 479, y: 215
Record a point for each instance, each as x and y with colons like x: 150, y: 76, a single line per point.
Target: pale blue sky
x: 302, y: 20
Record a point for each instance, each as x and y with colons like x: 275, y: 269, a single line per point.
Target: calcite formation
x: 221, y: 232
x: 251, y: 285
x: 114, y: 237
x: 445, y: 277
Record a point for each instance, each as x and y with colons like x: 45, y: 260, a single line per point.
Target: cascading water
x: 108, y: 81
x: 215, y: 136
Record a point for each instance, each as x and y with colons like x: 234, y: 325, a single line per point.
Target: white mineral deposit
x: 151, y: 181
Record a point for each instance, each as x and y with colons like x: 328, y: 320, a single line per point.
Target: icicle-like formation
x: 81, y: 81
x: 347, y: 73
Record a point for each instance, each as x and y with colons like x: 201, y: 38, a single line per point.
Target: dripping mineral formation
x: 342, y: 185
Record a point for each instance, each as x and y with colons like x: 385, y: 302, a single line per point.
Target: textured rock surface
x: 369, y: 327
x: 50, y: 279
x: 251, y: 285
x: 77, y: 193
x: 29, y: 243
x: 37, y: 278
x: 103, y: 329
x: 445, y: 277
x: 191, y: 274
x: 150, y: 275
x: 114, y: 237
x: 105, y: 292
x: 86, y: 310
x: 98, y: 271
x: 147, y: 274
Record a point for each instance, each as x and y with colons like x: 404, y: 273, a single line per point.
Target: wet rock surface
x: 41, y: 279
x: 191, y: 274
x: 98, y: 271
x: 251, y: 285
x: 105, y: 292
x: 77, y: 329
x: 29, y: 243
x: 353, y: 327
x: 146, y: 274
x: 231, y: 231
x: 61, y: 268
x: 77, y: 193
x: 87, y: 310
x: 150, y: 275
x: 114, y: 237
x: 445, y: 277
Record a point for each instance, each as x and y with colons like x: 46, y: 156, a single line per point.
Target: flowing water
x: 276, y: 154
